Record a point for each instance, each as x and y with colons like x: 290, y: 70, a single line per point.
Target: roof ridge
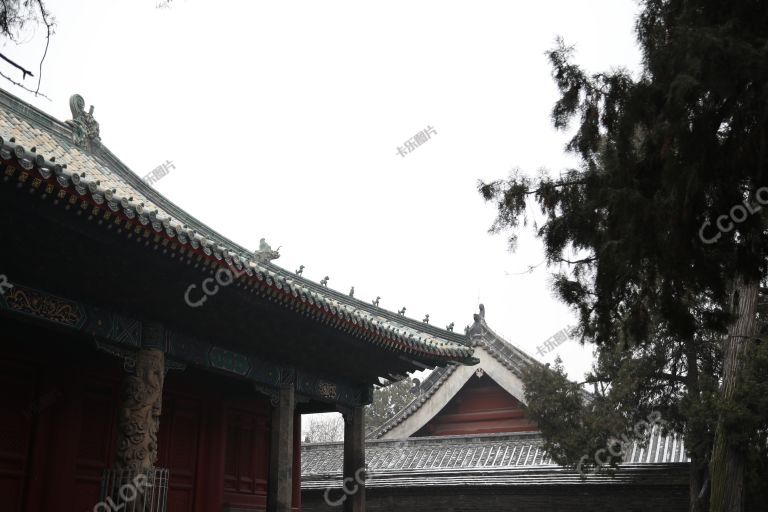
x: 479, y: 333
x: 488, y: 437
x: 497, y: 337
x: 374, y: 310
x: 480, y: 453
x: 99, y: 180
x: 34, y: 115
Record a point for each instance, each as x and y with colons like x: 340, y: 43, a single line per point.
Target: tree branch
x: 24, y: 72
x: 23, y: 87
x: 48, y: 27
x: 591, y: 259
x: 556, y: 184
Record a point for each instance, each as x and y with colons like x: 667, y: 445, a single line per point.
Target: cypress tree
x: 660, y: 235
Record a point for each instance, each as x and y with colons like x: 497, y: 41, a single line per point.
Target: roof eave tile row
x: 502, y: 351
x: 496, y: 452
x: 428, y: 388
x: 663, y: 474
x: 270, y: 284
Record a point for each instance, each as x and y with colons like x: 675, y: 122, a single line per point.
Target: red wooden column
x: 354, y: 459
x: 279, y: 497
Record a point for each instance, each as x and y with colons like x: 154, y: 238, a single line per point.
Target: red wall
x: 480, y: 407
x: 58, y: 421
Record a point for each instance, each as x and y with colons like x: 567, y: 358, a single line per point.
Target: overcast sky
x: 283, y: 120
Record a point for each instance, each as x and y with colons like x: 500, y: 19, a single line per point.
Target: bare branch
x: 24, y: 71
x: 49, y: 28
x: 23, y: 86
x: 591, y: 259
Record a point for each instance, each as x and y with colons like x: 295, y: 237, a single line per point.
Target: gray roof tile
x: 480, y: 334
x: 450, y: 458
x: 99, y: 174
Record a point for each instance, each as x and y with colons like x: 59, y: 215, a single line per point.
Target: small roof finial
x: 265, y: 253
x: 85, y: 129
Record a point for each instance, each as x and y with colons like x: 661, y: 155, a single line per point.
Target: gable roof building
x: 499, y: 361
x: 465, y: 442
x: 138, y: 340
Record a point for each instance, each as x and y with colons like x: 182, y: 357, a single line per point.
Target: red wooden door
x: 246, y: 461
x: 179, y: 448
x: 17, y: 410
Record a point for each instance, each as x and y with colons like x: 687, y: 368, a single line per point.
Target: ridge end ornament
x: 479, y: 318
x: 85, y: 129
x: 265, y: 253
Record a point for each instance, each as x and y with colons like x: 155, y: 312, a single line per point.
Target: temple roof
x: 511, y: 358
x: 69, y: 159
x: 490, y: 459
x: 523, y: 476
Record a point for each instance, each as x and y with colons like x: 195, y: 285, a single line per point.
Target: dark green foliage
x: 661, y: 154
x: 750, y: 421
x: 16, y: 14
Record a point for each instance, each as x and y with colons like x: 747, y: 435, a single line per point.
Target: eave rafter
x: 89, y: 198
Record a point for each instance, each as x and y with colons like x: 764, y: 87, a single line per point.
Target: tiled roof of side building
x: 96, y: 181
x: 480, y: 335
x: 435, y: 458
x: 666, y: 475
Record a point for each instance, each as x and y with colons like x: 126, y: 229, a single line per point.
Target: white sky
x: 283, y: 119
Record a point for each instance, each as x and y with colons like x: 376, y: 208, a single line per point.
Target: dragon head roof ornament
x: 85, y: 129
x: 265, y: 253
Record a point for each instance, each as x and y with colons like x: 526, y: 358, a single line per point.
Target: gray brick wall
x: 569, y: 498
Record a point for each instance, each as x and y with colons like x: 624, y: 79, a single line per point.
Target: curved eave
x: 507, y: 354
x: 74, y: 189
